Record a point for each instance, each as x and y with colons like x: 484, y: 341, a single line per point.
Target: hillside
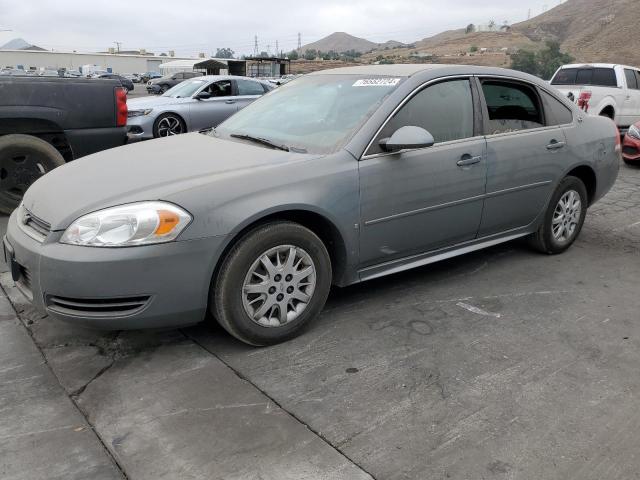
x: 340, y: 42
x: 590, y: 30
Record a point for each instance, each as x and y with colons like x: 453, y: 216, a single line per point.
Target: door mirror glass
x: 203, y: 95
x: 407, y: 137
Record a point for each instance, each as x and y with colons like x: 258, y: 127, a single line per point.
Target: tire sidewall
x: 228, y: 289
x: 52, y: 159
x: 568, y: 183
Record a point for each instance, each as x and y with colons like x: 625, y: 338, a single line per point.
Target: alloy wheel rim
x: 566, y: 216
x: 169, y: 126
x: 279, y: 286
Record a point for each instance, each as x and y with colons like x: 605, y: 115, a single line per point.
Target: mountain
x: 590, y: 30
x: 19, y: 44
x: 340, y: 42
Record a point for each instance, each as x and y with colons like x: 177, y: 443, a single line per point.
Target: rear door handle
x: 468, y: 160
x: 555, y: 145
x: 230, y: 101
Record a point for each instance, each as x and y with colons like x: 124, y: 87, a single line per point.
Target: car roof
x: 411, y: 69
x: 597, y: 65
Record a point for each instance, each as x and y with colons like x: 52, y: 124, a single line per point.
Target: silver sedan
x: 192, y: 105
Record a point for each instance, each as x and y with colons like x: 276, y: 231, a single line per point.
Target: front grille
x: 34, y: 226
x: 629, y: 150
x: 97, y: 307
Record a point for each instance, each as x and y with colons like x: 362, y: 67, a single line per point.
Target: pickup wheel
x: 23, y: 159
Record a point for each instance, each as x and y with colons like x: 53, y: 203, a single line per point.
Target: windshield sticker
x: 377, y: 82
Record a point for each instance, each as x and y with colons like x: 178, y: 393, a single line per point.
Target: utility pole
x: 255, y: 46
x: 529, y: 15
x: 277, y: 49
x: 299, y: 40
x: 118, y: 45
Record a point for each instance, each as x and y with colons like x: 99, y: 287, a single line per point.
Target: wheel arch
x: 318, y: 222
x: 588, y: 176
x: 608, y: 111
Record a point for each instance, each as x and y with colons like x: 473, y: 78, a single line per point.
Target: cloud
x: 204, y: 25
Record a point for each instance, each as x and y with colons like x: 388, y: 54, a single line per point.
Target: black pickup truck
x: 47, y: 121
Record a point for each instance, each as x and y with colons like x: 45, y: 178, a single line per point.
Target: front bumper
x: 631, y: 149
x: 153, y: 88
x: 140, y: 128
x: 164, y: 285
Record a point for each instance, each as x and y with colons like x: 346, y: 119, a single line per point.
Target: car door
x: 525, y: 153
x: 423, y: 199
x: 247, y: 92
x: 211, y: 112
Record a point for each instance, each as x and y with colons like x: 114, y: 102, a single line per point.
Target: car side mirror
x: 406, y: 138
x: 203, y: 95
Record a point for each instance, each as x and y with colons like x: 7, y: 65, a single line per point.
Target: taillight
x: 583, y: 100
x: 121, y: 107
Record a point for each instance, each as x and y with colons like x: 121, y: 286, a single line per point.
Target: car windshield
x: 184, y: 89
x: 315, y: 114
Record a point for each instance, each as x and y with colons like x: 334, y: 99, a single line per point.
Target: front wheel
x: 273, y: 282
x: 23, y: 159
x: 564, y: 217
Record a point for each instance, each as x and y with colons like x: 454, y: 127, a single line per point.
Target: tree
x: 473, y: 49
x: 293, y: 55
x: 224, y: 53
x: 470, y: 28
x: 525, y: 61
x: 310, y: 54
x: 543, y: 63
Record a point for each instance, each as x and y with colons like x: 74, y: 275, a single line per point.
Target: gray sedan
x: 338, y: 177
x: 192, y: 105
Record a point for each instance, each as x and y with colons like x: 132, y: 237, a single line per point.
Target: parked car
x: 134, y: 77
x: 163, y: 84
x: 12, y: 71
x: 72, y: 74
x: 192, y: 105
x: 609, y: 90
x: 631, y: 145
x: 49, y: 73
x: 145, y: 77
x: 45, y: 122
x: 125, y: 82
x: 337, y: 177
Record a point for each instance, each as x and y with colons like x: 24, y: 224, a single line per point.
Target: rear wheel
x: 23, y: 159
x: 564, y: 217
x: 274, y: 281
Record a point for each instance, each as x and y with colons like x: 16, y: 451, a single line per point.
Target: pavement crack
x: 280, y: 406
x: 79, y: 391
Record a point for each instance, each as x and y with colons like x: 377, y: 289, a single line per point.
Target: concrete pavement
x: 499, y: 364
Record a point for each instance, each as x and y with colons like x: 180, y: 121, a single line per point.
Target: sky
x: 192, y: 26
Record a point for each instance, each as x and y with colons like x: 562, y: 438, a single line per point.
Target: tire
x: 23, y: 159
x: 553, y: 237
x: 255, y: 317
x: 168, y: 124
x: 632, y: 163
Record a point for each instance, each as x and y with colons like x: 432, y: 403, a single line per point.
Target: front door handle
x: 555, y: 145
x: 230, y: 101
x: 468, y: 160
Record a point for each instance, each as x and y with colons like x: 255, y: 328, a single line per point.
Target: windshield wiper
x: 261, y: 141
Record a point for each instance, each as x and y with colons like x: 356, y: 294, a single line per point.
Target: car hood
x: 152, y: 170
x: 151, y: 102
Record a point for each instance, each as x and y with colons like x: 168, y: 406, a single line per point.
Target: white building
x: 116, y: 63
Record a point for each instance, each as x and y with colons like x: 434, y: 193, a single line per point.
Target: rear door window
x: 511, y: 107
x: 249, y: 87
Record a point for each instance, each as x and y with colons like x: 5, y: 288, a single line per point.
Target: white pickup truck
x: 602, y: 89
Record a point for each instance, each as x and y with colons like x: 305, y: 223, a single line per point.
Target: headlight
x: 129, y: 225
x: 634, y: 132
x: 139, y: 113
